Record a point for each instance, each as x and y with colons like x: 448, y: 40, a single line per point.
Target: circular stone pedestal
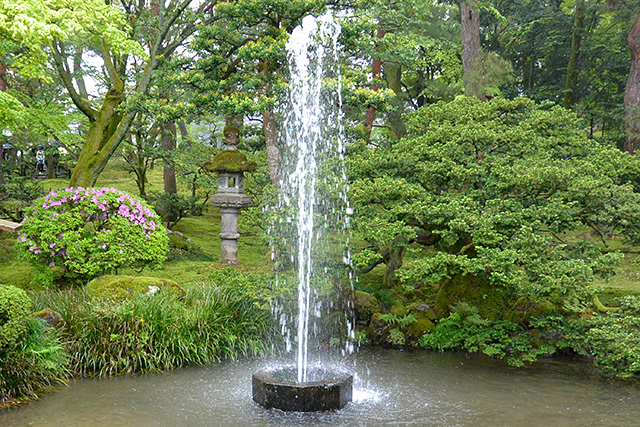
x: 326, y: 391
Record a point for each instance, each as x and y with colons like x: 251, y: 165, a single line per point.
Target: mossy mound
x: 524, y: 309
x: 420, y: 327
x: 424, y: 309
x: 52, y: 317
x: 366, y: 305
x: 119, y: 288
x: 475, y: 291
x: 15, y: 306
x: 180, y: 241
x: 230, y: 161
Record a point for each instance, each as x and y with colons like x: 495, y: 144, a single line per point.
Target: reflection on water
x: 390, y: 388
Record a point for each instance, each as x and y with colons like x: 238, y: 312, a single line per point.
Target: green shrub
x: 158, y: 332
x: 173, y: 207
x: 611, y: 339
x: 118, y: 288
x: 16, y: 195
x: 15, y: 306
x: 89, y: 232
x: 466, y: 329
x: 37, y: 362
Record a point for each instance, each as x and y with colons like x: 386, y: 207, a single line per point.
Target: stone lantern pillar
x: 231, y: 165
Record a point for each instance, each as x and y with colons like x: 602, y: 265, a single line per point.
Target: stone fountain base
x: 278, y: 389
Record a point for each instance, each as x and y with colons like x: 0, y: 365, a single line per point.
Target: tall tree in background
x: 632, y: 92
x: 569, y: 97
x: 470, y: 31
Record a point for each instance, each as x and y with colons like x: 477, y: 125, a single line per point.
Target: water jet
x: 312, y: 231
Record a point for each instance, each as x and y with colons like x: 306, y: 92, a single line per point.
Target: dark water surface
x: 391, y: 388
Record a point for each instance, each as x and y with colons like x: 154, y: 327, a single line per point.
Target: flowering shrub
x: 90, y: 231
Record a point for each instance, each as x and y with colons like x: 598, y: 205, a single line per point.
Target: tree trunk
x: 470, y: 27
x: 184, y: 134
x: 395, y: 260
x: 3, y: 88
x: 51, y: 169
x: 393, y: 73
x: 572, y: 67
x: 376, y: 69
x: 632, y: 92
x: 168, y: 145
x: 98, y: 147
x: 270, y: 130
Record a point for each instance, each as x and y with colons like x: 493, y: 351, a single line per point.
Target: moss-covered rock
x: 119, y: 288
x: 366, y: 305
x: 475, y: 291
x: 399, y: 310
x: 420, y: 327
x: 421, y: 307
x: 52, y: 317
x: 230, y: 161
x: 524, y: 309
x: 180, y: 241
x: 379, y: 329
x: 15, y: 307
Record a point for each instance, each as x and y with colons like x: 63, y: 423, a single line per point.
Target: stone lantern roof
x: 230, y: 159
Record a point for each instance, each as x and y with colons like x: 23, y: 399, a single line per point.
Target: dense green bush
x: 37, y: 362
x: 493, y: 191
x: 611, y: 339
x: 160, y: 331
x: 87, y: 232
x: 173, y: 207
x: 465, y: 329
x: 15, y: 307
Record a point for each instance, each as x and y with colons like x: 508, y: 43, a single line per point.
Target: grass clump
x: 156, y: 332
x: 39, y: 361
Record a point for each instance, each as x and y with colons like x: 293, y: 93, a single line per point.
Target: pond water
x: 391, y: 388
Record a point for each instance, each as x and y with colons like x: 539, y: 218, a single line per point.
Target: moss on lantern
x: 230, y: 161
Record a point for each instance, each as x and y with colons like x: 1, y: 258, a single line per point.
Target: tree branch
x: 82, y: 104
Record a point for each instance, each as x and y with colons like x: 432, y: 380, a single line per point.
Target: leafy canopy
x: 494, y: 189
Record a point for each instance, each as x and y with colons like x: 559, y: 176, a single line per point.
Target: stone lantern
x: 231, y: 165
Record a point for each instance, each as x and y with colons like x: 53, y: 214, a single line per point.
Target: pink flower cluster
x: 125, y: 205
x: 95, y: 205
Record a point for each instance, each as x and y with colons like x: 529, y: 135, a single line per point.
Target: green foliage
x: 38, y: 362
x: 172, y: 207
x: 88, y: 232
x: 396, y: 337
x: 402, y: 321
x: 258, y: 287
x: 499, y: 191
x: 190, y: 160
x: 16, y: 195
x: 15, y: 307
x: 157, y: 332
x: 612, y: 339
x: 466, y: 329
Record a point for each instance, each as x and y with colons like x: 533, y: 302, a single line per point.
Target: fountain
x: 312, y: 234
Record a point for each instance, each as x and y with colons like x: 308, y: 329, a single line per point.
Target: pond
x: 391, y: 387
